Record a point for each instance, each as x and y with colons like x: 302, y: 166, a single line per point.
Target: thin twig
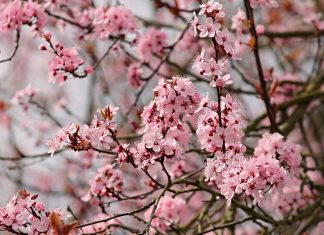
x: 15, y: 50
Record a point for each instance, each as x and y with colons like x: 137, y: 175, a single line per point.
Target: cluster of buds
x: 66, y: 62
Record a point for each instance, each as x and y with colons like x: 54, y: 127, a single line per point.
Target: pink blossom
x: 260, y: 29
x: 194, y: 23
x: 273, y: 160
x: 225, y: 39
x: 211, y: 8
x: 66, y: 63
x: 16, y: 13
x: 97, y: 134
x: 208, y: 28
x: 222, y: 81
x: 181, y: 146
x: 211, y: 135
x: 288, y: 201
x: 211, y: 68
x: 23, y: 214
x: 199, y: 62
x: 285, y: 151
x: 123, y: 153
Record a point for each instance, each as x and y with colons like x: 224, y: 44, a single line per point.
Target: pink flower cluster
x: 212, y: 69
x: 169, y: 211
x: 98, y: 133
x: 24, y: 96
x: 285, y: 152
x: 66, y: 62
x: 151, y: 43
x: 290, y: 200
x: 16, y: 13
x: 24, y: 215
x: 154, y: 146
x: 115, y: 21
x: 213, y: 12
x: 106, y: 184
x: 271, y: 167
x: 212, y: 28
x: 165, y: 132
x: 220, y: 125
x: 219, y: 128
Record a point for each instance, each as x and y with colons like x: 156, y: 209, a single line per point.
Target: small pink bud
x: 47, y: 35
x: 88, y: 69
x: 259, y: 29
x: 34, y: 197
x: 42, y: 47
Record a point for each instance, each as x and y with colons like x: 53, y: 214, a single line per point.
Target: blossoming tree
x: 182, y: 117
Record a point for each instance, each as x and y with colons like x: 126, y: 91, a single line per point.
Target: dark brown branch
x: 225, y: 225
x: 15, y: 50
x: 263, y: 84
x: 25, y: 156
x: 106, y: 54
x: 118, y: 215
x: 293, y: 34
x: 67, y: 20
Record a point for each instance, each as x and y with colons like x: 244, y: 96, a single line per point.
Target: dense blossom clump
x: 174, y: 100
x: 220, y: 127
x: 269, y: 170
x: 275, y: 146
x: 24, y: 215
x: 290, y: 200
x: 98, y: 134
x: 106, y: 184
x: 165, y: 133
x: 16, y: 13
x: 66, y: 62
x: 211, y: 27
